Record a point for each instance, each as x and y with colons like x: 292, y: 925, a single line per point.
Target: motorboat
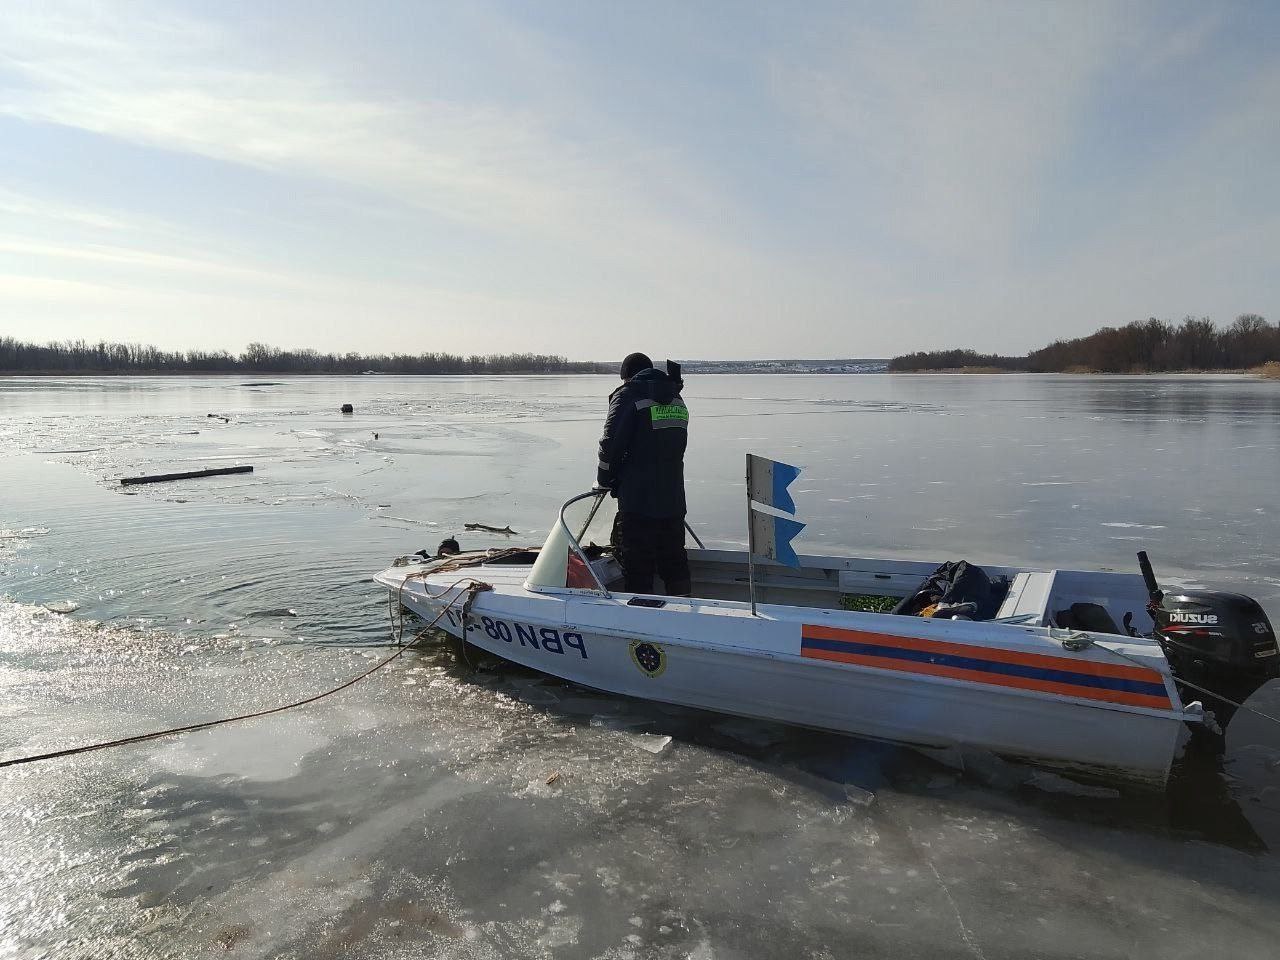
x: 1048, y: 666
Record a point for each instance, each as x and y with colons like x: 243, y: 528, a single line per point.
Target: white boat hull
x: 566, y: 639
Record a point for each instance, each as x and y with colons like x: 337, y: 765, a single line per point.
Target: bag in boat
x: 954, y: 583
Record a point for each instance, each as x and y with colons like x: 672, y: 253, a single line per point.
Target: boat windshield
x: 592, y: 520
x: 562, y: 563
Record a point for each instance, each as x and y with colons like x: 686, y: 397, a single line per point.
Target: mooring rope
x: 475, y: 587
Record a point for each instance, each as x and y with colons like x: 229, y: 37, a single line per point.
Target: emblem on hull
x: 649, y: 657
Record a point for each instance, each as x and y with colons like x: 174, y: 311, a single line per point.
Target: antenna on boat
x: 1149, y: 576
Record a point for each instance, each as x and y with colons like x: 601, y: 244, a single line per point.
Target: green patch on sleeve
x: 668, y: 411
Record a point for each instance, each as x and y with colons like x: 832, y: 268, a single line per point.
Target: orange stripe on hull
x: 978, y: 676
x: 1043, y: 661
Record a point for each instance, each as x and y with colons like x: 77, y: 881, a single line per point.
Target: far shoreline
x: 290, y: 373
x: 1268, y: 371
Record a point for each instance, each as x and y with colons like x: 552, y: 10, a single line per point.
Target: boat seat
x: 1028, y: 597
x: 1092, y: 617
x: 877, y: 582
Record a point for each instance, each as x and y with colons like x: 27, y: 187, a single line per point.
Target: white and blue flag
x: 771, y: 535
x: 767, y: 482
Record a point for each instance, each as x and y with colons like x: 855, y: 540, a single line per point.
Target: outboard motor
x: 1220, y: 641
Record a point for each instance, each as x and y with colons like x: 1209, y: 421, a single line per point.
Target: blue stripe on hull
x: 986, y: 666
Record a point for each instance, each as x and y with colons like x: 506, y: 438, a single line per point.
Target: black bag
x: 956, y: 582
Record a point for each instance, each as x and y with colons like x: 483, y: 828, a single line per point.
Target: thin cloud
x: 953, y: 122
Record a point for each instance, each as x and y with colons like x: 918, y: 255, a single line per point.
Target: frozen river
x: 435, y: 811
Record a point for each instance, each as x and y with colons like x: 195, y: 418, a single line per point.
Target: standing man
x: 642, y: 464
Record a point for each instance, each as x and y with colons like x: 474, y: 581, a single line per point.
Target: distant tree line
x: 1149, y: 346
x: 80, y: 356
x: 955, y: 360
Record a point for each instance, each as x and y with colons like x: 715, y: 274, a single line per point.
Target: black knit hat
x: 634, y: 363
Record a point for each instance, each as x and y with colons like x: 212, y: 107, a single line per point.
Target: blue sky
x: 692, y: 179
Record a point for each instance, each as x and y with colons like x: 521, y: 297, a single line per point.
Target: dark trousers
x: 648, y: 545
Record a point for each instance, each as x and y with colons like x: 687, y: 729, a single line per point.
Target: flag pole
x: 751, y: 545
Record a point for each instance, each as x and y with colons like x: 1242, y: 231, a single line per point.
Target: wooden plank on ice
x: 188, y: 475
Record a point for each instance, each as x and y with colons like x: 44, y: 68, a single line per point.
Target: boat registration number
x: 546, y: 639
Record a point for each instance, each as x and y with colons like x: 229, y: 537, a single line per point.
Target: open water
x: 437, y: 811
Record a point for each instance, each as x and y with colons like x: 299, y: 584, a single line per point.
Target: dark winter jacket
x: 642, y: 450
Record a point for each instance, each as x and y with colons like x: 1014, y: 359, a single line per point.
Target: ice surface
x: 651, y: 743
x: 433, y: 811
